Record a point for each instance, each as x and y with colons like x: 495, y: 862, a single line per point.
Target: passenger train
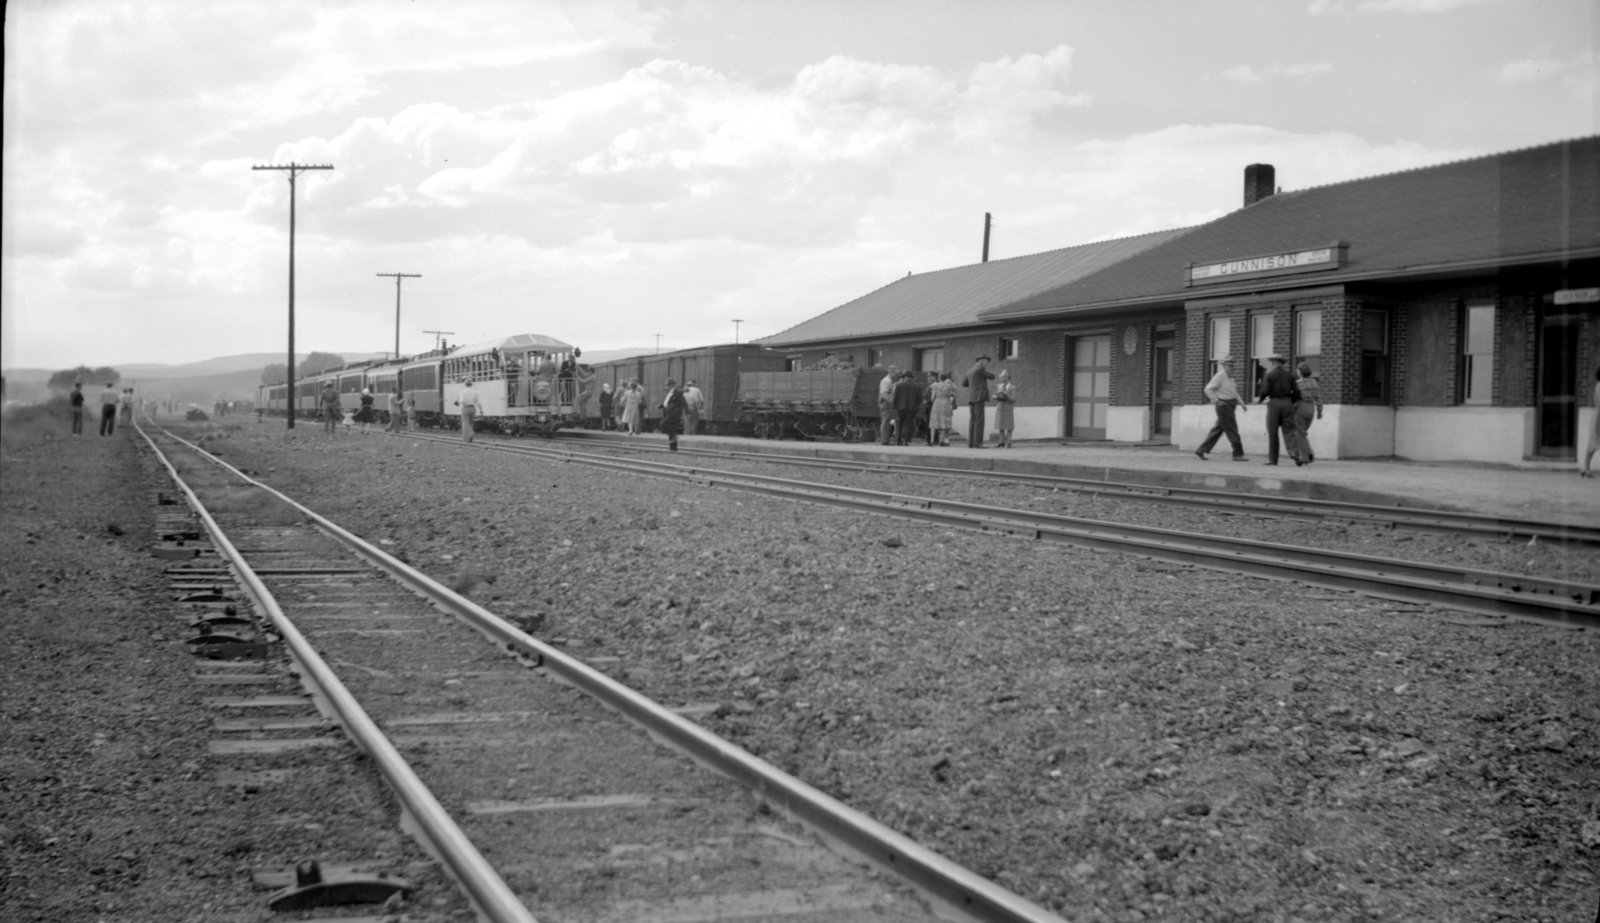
x: 531, y: 383
x: 525, y: 383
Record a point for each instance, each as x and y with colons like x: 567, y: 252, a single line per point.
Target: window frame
x: 1471, y: 366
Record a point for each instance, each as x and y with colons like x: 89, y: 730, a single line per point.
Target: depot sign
x: 1270, y: 264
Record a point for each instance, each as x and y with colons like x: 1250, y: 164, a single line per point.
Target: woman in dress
x: 1309, y: 408
x: 942, y: 409
x: 1005, y: 395
x: 632, y: 408
x: 365, y: 416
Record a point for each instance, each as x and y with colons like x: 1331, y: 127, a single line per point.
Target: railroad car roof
x: 520, y: 341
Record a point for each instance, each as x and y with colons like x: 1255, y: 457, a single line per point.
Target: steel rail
x: 935, y: 876
x: 1419, y: 519
x: 1484, y: 592
x: 444, y: 840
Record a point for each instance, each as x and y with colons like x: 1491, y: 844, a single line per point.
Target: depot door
x: 1558, y: 381
x: 1164, y: 368
x: 1090, y: 378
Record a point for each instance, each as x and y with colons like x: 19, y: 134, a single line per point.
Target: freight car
x: 715, y: 370
x: 526, y: 383
x: 839, y: 403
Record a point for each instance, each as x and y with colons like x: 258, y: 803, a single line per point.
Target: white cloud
x: 1326, y: 7
x: 1248, y: 74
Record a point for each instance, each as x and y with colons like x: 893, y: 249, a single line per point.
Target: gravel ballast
x: 1113, y: 737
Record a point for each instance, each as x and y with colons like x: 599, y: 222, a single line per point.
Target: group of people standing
x: 114, y: 405
x: 1293, y: 404
x: 624, y: 408
x: 910, y: 408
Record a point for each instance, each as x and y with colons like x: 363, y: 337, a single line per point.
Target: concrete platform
x: 1552, y: 492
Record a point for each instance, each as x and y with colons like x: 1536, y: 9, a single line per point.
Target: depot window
x: 1375, y: 356
x: 1221, y: 335
x: 1477, y: 359
x: 1308, y: 339
x: 1008, y: 348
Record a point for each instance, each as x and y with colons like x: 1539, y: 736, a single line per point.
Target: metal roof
x: 958, y: 296
x: 1534, y: 205
x: 517, y: 342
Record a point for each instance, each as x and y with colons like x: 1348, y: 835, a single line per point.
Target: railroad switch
x: 312, y: 889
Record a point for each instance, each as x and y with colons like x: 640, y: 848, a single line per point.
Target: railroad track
x: 1466, y: 589
x: 534, y: 795
x: 1419, y: 519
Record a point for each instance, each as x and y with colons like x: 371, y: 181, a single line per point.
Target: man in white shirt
x: 468, y: 401
x: 1222, y: 392
x: 693, y: 400
x: 886, y: 405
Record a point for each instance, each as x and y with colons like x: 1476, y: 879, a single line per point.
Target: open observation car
x: 527, y: 383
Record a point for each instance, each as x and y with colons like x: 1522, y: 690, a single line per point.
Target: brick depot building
x: 1451, y: 313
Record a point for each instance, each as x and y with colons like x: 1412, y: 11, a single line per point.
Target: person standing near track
x: 332, y: 412
x: 606, y: 408
x: 673, y: 409
x: 694, y: 402
x: 365, y: 416
x: 1281, y: 394
x: 977, y: 383
x: 1222, y: 392
x: 886, y: 405
x: 941, y: 412
x: 1594, y: 430
x: 108, y: 409
x: 1005, y: 396
x: 125, y: 406
x: 468, y: 402
x: 76, y: 400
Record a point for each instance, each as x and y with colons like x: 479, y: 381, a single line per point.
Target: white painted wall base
x: 1031, y: 423
x: 1128, y: 424
x: 1498, y: 435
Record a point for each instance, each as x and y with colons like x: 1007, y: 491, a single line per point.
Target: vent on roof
x: 1259, y: 182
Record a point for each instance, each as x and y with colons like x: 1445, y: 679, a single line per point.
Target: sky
x: 640, y: 174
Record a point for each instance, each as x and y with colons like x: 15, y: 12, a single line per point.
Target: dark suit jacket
x: 907, y: 395
x: 978, y: 385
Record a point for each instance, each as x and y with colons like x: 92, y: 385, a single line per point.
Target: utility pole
x: 658, y: 344
x: 294, y: 170
x: 736, y: 323
x: 397, y: 277
x: 988, y: 219
x: 438, y: 335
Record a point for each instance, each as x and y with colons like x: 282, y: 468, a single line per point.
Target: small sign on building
x: 1267, y: 264
x: 1577, y: 295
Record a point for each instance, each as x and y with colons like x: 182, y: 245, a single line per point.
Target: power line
x: 397, y: 277
x: 294, y: 170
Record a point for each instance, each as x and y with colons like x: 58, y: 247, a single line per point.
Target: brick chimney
x: 1259, y: 182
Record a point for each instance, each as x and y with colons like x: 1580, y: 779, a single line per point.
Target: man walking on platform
x: 1221, y: 391
x: 1279, y: 390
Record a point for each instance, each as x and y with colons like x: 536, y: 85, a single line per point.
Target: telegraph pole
x: 736, y: 323
x: 988, y: 219
x: 397, y: 277
x: 438, y: 335
x: 294, y: 170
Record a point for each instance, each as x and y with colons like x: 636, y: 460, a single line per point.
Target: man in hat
x: 977, y: 383
x: 1222, y: 392
x: 1281, y: 393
